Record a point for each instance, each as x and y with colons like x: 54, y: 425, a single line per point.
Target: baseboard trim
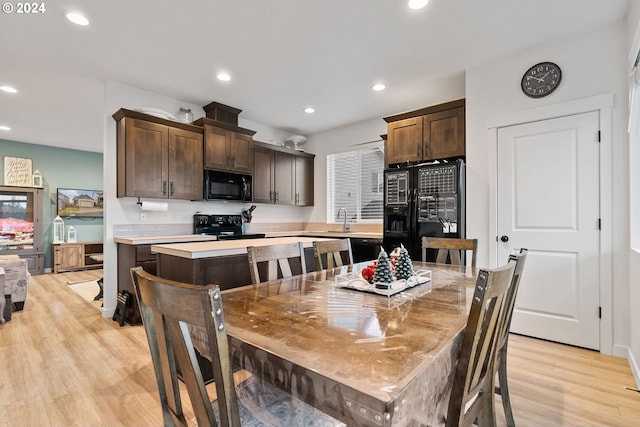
x: 633, y: 364
x: 108, y: 312
x: 620, y: 351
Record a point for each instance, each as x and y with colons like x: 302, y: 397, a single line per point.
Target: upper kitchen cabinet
x: 430, y: 133
x: 404, y: 141
x: 282, y: 176
x: 304, y: 181
x: 227, y: 147
x: 158, y: 158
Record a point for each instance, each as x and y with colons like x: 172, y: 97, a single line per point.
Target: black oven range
x: 226, y: 227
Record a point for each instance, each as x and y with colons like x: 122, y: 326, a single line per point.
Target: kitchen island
x: 135, y: 251
x: 223, y: 263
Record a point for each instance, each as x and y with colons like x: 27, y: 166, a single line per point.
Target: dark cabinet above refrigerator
x: 430, y: 133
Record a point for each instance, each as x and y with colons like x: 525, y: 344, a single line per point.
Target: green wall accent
x: 60, y: 167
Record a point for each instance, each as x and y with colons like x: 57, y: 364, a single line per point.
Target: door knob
x: 504, y: 238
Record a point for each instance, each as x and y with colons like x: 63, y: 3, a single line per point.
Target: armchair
x: 16, y: 277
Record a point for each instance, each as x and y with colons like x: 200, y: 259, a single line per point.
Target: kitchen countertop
x: 184, y: 238
x: 196, y: 250
x: 321, y: 233
x: 152, y: 240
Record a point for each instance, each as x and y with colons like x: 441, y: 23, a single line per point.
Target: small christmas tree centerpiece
x: 404, y: 267
x: 382, y: 276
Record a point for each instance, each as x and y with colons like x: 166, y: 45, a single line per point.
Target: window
x: 355, y: 182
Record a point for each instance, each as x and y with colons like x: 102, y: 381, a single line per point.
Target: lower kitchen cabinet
x: 130, y: 256
x: 226, y: 271
x: 365, y: 249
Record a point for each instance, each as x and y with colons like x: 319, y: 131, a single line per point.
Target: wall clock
x: 541, y: 79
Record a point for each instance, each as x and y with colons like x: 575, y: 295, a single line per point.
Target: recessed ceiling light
x: 8, y: 89
x: 223, y: 77
x: 378, y: 87
x: 5, y: 128
x: 77, y: 18
x: 309, y: 110
x: 417, y: 4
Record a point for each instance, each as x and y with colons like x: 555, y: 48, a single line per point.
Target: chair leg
x: 100, y: 284
x: 487, y: 415
x: 504, y: 388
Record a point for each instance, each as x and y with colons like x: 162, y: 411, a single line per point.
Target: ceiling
x: 283, y: 55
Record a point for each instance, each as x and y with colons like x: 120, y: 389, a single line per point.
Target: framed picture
x: 17, y: 171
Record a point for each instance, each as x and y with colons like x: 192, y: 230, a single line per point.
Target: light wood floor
x: 62, y: 364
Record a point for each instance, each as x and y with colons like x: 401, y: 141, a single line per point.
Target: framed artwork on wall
x: 17, y: 171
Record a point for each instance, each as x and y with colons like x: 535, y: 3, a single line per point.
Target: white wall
x: 334, y: 141
x: 120, y: 211
x: 633, y: 37
x: 592, y: 64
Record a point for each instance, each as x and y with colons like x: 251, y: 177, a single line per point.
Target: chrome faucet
x: 345, y: 227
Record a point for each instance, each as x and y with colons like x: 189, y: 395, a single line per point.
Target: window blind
x: 355, y: 182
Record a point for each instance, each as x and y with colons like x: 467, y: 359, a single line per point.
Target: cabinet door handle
x: 277, y: 196
x: 297, y: 198
x: 171, y: 189
x: 164, y: 188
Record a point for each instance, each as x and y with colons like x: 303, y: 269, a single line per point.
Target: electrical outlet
x: 174, y: 216
x: 143, y: 216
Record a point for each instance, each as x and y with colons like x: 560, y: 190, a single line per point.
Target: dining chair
x: 450, y: 248
x: 336, y: 252
x: 274, y: 256
x: 168, y: 310
x: 472, y: 394
x: 503, y: 340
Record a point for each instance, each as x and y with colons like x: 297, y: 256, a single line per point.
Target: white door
x: 548, y: 202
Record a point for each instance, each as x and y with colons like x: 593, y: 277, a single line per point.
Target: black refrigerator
x: 423, y: 200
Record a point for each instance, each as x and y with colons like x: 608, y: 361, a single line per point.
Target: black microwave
x: 227, y: 186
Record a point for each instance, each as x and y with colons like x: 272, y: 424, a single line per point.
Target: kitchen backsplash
x: 143, y: 230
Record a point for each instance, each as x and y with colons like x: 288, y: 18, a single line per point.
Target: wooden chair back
x: 473, y: 382
x: 275, y: 256
x: 510, y: 302
x: 166, y: 308
x: 449, y: 248
x: 334, y: 251
x: 503, y: 340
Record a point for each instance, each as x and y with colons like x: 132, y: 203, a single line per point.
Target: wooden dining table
x: 364, y: 358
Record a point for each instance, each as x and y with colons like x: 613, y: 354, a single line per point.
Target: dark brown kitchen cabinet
x: 284, y: 169
x: 282, y: 176
x: 130, y: 256
x: 158, y: 158
x: 404, y: 143
x: 273, y: 177
x: 304, y: 181
x: 430, y: 133
x: 443, y: 134
x: 263, y: 179
x: 227, y: 147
